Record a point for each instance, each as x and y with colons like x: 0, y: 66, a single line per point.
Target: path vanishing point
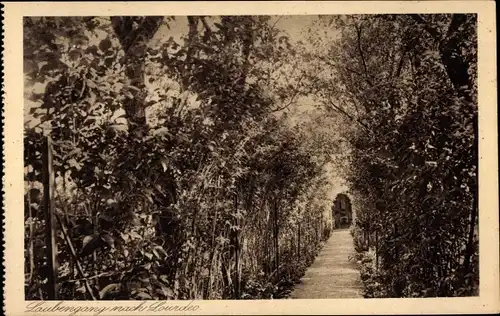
x: 332, y: 275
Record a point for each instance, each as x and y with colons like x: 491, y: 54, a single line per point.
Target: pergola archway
x: 342, y: 211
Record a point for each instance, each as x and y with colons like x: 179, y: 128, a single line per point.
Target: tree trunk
x: 456, y: 66
x: 457, y: 69
x: 134, y: 34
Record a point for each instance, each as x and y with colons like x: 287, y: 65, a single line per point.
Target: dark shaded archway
x: 342, y: 211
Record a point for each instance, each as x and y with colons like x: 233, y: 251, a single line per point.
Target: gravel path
x: 332, y: 275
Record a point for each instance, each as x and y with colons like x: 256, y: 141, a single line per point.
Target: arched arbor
x: 342, y: 211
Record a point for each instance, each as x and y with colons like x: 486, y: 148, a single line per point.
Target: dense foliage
x: 181, y: 173
x: 408, y: 83
x: 174, y: 177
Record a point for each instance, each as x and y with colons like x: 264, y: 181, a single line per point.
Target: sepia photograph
x: 250, y: 157
x: 203, y: 157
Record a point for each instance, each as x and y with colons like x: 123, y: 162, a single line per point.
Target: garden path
x: 332, y: 274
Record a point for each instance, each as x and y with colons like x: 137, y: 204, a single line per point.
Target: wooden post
x: 276, y: 240
x: 376, y: 249
x: 316, y: 229
x: 298, y: 242
x: 237, y: 252
x: 369, y: 234
x: 94, y: 220
x: 50, y: 220
x: 321, y: 229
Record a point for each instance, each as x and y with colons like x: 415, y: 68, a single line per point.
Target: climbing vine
x: 200, y: 165
x: 174, y: 179
x: 408, y: 84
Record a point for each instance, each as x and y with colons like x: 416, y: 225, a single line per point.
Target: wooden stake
x: 75, y: 258
x: 50, y: 223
